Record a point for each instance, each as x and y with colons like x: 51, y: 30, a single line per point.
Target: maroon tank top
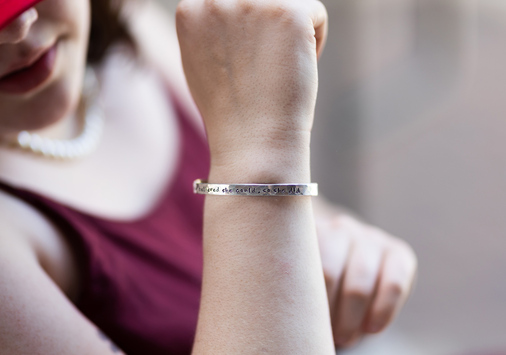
x: 142, y: 278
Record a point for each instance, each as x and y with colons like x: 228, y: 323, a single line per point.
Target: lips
x: 26, y: 76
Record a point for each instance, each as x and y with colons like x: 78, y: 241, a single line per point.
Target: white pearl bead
x: 74, y: 148
x: 24, y: 139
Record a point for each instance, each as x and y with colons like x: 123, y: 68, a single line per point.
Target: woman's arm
x: 251, y: 67
x: 263, y: 288
x: 35, y: 316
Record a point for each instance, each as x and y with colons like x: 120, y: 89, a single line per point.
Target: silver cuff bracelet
x: 204, y: 188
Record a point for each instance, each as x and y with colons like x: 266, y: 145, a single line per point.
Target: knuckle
x: 358, y: 294
x: 383, y: 315
x: 182, y: 10
x: 363, y: 274
x: 279, y: 8
x: 380, y: 235
x: 219, y: 10
x: 330, y: 273
x: 407, y: 251
x: 284, y: 12
x: 184, y: 14
x: 376, y: 236
x: 338, y: 222
x: 354, y: 225
x: 214, y: 6
x: 246, y: 7
x: 394, y: 291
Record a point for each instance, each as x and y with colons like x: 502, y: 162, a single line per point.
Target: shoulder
x: 19, y: 220
x: 36, y: 317
x: 154, y: 31
x: 25, y: 230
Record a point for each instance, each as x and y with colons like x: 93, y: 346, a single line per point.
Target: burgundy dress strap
x: 142, y: 279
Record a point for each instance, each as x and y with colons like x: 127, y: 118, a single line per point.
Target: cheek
x: 68, y: 20
x: 70, y: 16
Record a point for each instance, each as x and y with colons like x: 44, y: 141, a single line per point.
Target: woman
x: 108, y: 235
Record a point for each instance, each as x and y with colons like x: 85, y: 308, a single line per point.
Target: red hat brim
x: 10, y: 9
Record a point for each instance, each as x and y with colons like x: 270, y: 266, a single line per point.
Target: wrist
x: 247, y: 132
x: 261, y: 166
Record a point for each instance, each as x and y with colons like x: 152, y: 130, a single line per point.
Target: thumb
x: 319, y: 16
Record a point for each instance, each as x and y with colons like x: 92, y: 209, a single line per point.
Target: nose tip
x: 18, y: 29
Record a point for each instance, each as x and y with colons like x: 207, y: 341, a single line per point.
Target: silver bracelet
x: 204, y: 188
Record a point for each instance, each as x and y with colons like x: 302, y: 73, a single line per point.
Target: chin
x: 43, y: 108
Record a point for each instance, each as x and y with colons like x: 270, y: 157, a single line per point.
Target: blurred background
x: 411, y: 134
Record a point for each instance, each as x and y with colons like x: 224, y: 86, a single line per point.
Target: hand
x: 368, y: 273
x: 252, y: 69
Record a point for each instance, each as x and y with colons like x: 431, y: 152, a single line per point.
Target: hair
x: 107, y: 28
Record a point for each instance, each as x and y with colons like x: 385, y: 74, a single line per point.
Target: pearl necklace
x: 75, y: 148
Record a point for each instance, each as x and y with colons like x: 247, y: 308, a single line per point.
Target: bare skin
x: 44, y: 255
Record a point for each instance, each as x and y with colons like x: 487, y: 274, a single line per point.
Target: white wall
x: 413, y: 117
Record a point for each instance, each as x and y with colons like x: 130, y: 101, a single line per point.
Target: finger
x: 335, y: 243
x: 395, y: 283
x: 319, y: 16
x: 357, y: 337
x: 357, y: 292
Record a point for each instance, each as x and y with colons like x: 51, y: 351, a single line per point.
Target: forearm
x: 263, y: 288
x: 252, y: 70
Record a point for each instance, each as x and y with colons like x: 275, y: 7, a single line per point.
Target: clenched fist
x: 252, y: 69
